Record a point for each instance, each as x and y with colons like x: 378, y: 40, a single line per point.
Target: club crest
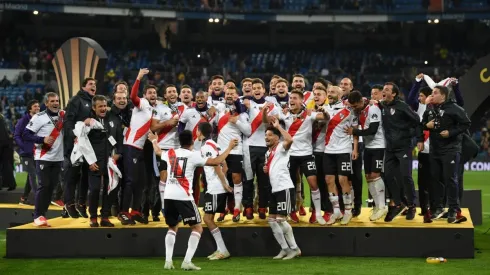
x: 135, y: 161
x: 392, y: 111
x: 111, y: 124
x: 26, y: 163
x: 41, y: 166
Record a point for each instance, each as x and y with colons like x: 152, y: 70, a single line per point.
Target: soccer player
x: 190, y: 120
x: 26, y: 150
x: 272, y: 85
x: 232, y: 123
x: 178, y: 195
x: 45, y: 130
x: 282, y: 198
x: 338, y: 154
x: 318, y: 140
x: 299, y: 124
x: 374, y: 142
x: 446, y: 122
x: 164, y: 123
x: 246, y: 87
x: 216, y: 191
x: 186, y: 96
x: 257, y: 149
x: 134, y: 140
x: 217, y: 86
x: 282, y: 94
x: 106, y: 143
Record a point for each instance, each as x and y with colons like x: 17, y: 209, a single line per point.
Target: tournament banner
x: 77, y: 59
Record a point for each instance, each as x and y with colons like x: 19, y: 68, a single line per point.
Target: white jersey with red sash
x: 228, y: 131
x: 300, y: 127
x: 211, y: 149
x: 420, y: 112
x: 318, y: 137
x: 372, y: 114
x: 167, y: 137
x: 44, y: 125
x: 307, y: 97
x: 336, y: 140
x: 140, y: 124
x: 277, y: 162
x: 257, y: 136
x: 181, y: 165
x: 192, y: 117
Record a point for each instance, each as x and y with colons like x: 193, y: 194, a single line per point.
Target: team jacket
x: 400, y: 124
x: 447, y: 116
x: 79, y: 108
x: 100, y: 139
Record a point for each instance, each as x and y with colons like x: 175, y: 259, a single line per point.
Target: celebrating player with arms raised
x: 282, y: 199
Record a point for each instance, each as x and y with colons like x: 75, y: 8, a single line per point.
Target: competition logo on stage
x: 77, y: 59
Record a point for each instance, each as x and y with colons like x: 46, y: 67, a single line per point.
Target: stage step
x: 400, y: 238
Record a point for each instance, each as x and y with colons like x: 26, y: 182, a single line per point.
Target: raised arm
x: 413, y: 99
x: 287, y: 139
x: 457, y: 94
x: 218, y: 160
x: 134, y: 91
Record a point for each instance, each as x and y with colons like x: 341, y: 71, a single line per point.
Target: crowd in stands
x: 364, y: 67
x: 290, y: 6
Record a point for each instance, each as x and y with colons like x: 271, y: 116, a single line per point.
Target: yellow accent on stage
x: 361, y: 221
x: 22, y: 206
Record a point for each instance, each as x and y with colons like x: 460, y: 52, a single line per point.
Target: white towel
x: 114, y: 174
x: 82, y: 147
x: 445, y: 82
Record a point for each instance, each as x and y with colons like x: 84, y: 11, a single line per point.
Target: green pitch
x: 304, y: 265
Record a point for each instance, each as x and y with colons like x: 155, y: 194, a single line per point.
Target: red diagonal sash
x: 223, y: 120
x: 306, y: 96
x: 426, y: 135
x: 212, y: 145
x: 258, y: 120
x: 316, y: 133
x: 272, y: 152
x: 363, y: 116
x: 179, y: 174
x: 297, y: 124
x: 334, y: 122
x: 55, y: 133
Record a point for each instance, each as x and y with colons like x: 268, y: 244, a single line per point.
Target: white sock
x: 372, y: 191
x: 317, y: 202
x: 334, y: 199
x: 161, y: 188
x: 192, y: 246
x: 169, y: 245
x: 219, y: 240
x: 347, y: 201
x: 238, y: 191
x: 278, y: 233
x: 379, y: 185
x: 288, y: 233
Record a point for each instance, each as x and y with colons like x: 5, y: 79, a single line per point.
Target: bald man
x: 356, y: 177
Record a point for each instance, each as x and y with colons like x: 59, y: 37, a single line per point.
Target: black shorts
x: 187, y: 209
x: 337, y: 164
x: 306, y: 165
x: 162, y: 165
x: 282, y: 202
x: 234, y: 163
x: 214, y: 203
x: 373, y: 160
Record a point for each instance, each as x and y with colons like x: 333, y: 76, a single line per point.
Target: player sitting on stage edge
x: 178, y: 199
x: 282, y: 199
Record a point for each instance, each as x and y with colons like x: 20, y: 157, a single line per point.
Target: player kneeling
x: 217, y: 186
x: 178, y: 199
x: 282, y: 198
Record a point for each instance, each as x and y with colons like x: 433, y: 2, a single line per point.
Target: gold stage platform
x: 360, y: 221
x: 247, y: 238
